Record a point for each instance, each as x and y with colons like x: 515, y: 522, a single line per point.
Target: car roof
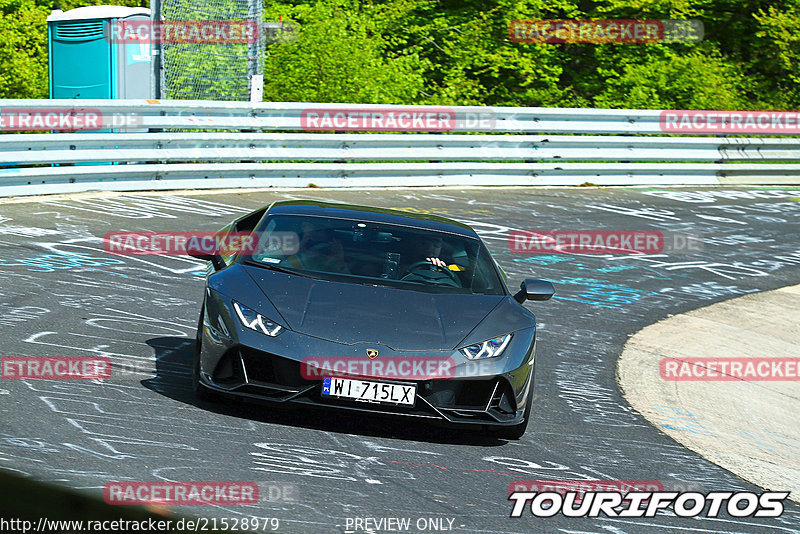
x: 335, y: 210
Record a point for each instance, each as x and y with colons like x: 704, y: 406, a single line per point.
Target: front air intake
x: 503, y: 403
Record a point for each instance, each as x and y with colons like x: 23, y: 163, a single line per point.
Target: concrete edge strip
x: 749, y: 428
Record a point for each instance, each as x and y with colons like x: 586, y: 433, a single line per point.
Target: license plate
x: 369, y: 391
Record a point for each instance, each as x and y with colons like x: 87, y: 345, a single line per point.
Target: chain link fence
x: 220, y: 64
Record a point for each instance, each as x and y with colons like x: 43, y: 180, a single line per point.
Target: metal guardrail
x: 506, y: 146
x: 288, y: 115
x: 73, y: 148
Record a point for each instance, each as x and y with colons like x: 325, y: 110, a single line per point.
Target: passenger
x: 320, y: 250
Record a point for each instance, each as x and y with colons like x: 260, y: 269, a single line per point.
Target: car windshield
x: 375, y: 253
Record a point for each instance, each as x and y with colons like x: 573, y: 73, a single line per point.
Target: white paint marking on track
x: 371, y: 445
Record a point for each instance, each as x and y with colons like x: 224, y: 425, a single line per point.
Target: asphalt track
x: 61, y: 295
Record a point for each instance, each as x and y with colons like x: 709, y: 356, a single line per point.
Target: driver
x: 427, y: 251
x: 430, y: 248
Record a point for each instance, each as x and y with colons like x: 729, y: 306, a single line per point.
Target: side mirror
x: 215, y: 259
x: 533, y: 289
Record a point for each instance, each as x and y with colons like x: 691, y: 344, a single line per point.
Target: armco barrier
x: 260, y: 145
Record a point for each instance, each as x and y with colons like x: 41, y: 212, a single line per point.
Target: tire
x: 517, y: 431
x: 200, y: 391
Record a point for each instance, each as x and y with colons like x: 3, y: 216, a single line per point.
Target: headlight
x: 488, y: 349
x: 256, y: 321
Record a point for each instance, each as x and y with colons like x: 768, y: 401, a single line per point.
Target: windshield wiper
x: 273, y: 267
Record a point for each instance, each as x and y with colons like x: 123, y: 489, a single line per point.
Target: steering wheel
x: 431, y: 267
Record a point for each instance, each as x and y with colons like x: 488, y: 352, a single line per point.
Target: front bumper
x: 239, y: 362
x: 252, y: 374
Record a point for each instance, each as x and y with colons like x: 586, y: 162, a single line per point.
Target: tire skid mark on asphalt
x: 322, y: 463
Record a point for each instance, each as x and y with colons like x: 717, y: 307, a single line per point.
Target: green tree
x: 23, y: 49
x: 341, y: 55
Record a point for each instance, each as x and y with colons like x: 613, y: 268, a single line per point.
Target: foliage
x: 458, y: 52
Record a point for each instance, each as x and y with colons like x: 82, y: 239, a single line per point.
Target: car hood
x: 354, y: 313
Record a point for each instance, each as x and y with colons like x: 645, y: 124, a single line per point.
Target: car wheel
x: 517, y: 431
x: 200, y: 391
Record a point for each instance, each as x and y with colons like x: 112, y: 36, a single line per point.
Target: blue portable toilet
x: 86, y: 62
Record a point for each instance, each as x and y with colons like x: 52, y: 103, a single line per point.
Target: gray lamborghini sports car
x: 370, y: 310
